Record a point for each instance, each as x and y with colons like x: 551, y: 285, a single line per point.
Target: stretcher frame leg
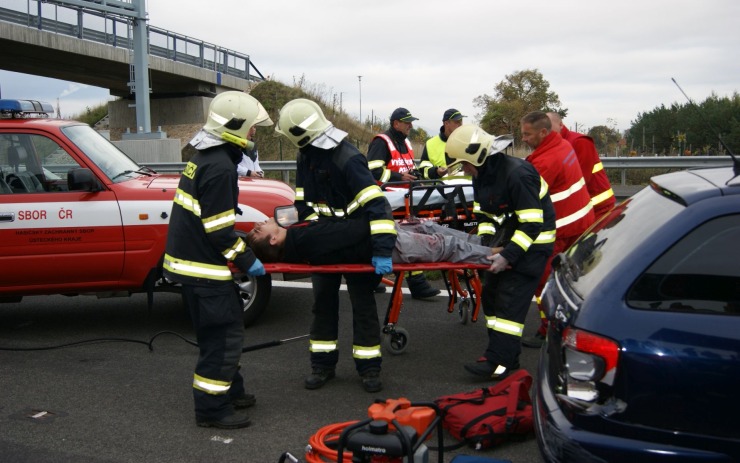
x: 476, y: 290
x: 395, y: 302
x: 455, y: 289
x: 395, y: 338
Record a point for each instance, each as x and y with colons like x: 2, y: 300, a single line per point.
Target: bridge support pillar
x: 173, y: 117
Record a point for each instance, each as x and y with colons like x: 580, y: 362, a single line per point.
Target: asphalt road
x: 117, y: 401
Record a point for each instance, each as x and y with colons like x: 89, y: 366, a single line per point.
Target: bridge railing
x: 116, y: 32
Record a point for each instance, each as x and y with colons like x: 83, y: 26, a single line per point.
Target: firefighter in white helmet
x: 510, y: 191
x: 333, y: 182
x: 201, y: 242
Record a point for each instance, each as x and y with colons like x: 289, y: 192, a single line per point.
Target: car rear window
x: 603, y: 246
x: 700, y: 273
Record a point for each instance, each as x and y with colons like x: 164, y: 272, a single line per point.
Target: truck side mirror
x: 285, y: 216
x: 82, y: 179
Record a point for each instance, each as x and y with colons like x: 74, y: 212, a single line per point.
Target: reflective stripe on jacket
x: 337, y: 184
x: 201, y: 239
x: 509, y: 186
x: 556, y: 161
x: 597, y: 182
x: 387, y: 160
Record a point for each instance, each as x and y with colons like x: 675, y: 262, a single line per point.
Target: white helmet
x: 301, y: 121
x: 263, y: 119
x: 468, y: 143
x: 231, y: 114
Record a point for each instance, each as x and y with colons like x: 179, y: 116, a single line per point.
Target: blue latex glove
x: 257, y: 269
x: 382, y: 265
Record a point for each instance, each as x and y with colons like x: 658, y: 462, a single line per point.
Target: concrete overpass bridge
x: 96, y: 48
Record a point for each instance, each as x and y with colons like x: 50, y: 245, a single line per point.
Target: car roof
x: 693, y: 185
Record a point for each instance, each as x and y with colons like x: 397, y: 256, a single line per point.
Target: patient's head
x: 267, y: 240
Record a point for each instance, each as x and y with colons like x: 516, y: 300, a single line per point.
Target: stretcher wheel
x: 463, y: 310
x: 395, y: 341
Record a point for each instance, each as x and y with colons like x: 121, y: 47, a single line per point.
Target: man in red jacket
x: 556, y: 161
x: 597, y: 183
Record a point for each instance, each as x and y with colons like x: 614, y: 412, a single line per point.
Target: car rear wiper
x: 565, y: 264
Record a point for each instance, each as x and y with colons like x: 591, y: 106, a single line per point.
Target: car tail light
x: 589, y: 359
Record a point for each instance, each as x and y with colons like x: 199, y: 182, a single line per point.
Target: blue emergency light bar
x: 25, y: 108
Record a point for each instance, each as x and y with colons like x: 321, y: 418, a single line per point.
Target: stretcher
x: 447, y: 203
x: 394, y: 338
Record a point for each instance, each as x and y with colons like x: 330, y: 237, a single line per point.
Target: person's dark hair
x: 538, y: 120
x: 264, y: 250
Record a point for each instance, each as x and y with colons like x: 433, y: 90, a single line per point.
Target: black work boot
x: 235, y: 421
x: 245, y: 401
x: 535, y: 341
x: 489, y: 370
x: 318, y: 377
x: 371, y: 381
x: 420, y: 287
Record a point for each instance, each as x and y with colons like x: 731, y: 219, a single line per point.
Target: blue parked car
x: 642, y: 357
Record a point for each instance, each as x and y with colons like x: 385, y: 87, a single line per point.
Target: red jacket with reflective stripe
x: 597, y: 183
x: 557, y: 163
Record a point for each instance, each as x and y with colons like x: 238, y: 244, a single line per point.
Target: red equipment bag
x: 486, y: 417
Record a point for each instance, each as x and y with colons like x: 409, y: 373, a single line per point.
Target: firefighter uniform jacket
x: 597, y: 183
x: 389, y: 155
x: 337, y: 184
x: 557, y: 163
x: 201, y: 238
x: 508, y: 186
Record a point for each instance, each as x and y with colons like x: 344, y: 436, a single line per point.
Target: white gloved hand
x: 498, y: 263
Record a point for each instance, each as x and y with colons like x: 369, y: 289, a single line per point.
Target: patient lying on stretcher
x: 329, y: 242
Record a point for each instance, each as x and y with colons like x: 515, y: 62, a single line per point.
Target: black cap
x: 403, y: 115
x: 452, y: 115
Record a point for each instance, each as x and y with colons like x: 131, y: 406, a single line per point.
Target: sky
x: 608, y: 61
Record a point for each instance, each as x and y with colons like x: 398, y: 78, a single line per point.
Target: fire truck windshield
x: 112, y: 161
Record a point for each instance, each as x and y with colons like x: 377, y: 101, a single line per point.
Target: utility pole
x: 359, y: 79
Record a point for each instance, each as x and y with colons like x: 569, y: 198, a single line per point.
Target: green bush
x: 92, y: 115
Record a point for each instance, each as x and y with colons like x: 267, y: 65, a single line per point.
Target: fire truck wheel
x: 255, y: 295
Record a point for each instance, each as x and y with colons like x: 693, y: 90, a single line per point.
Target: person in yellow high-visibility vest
x: 433, y: 163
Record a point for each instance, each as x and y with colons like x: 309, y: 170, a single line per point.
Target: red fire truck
x: 78, y: 216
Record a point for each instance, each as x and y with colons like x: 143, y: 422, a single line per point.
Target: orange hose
x: 319, y: 451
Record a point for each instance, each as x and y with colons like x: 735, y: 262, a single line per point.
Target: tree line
x: 689, y: 129
x: 680, y: 129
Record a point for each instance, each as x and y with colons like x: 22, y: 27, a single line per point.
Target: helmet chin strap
x: 243, y: 142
